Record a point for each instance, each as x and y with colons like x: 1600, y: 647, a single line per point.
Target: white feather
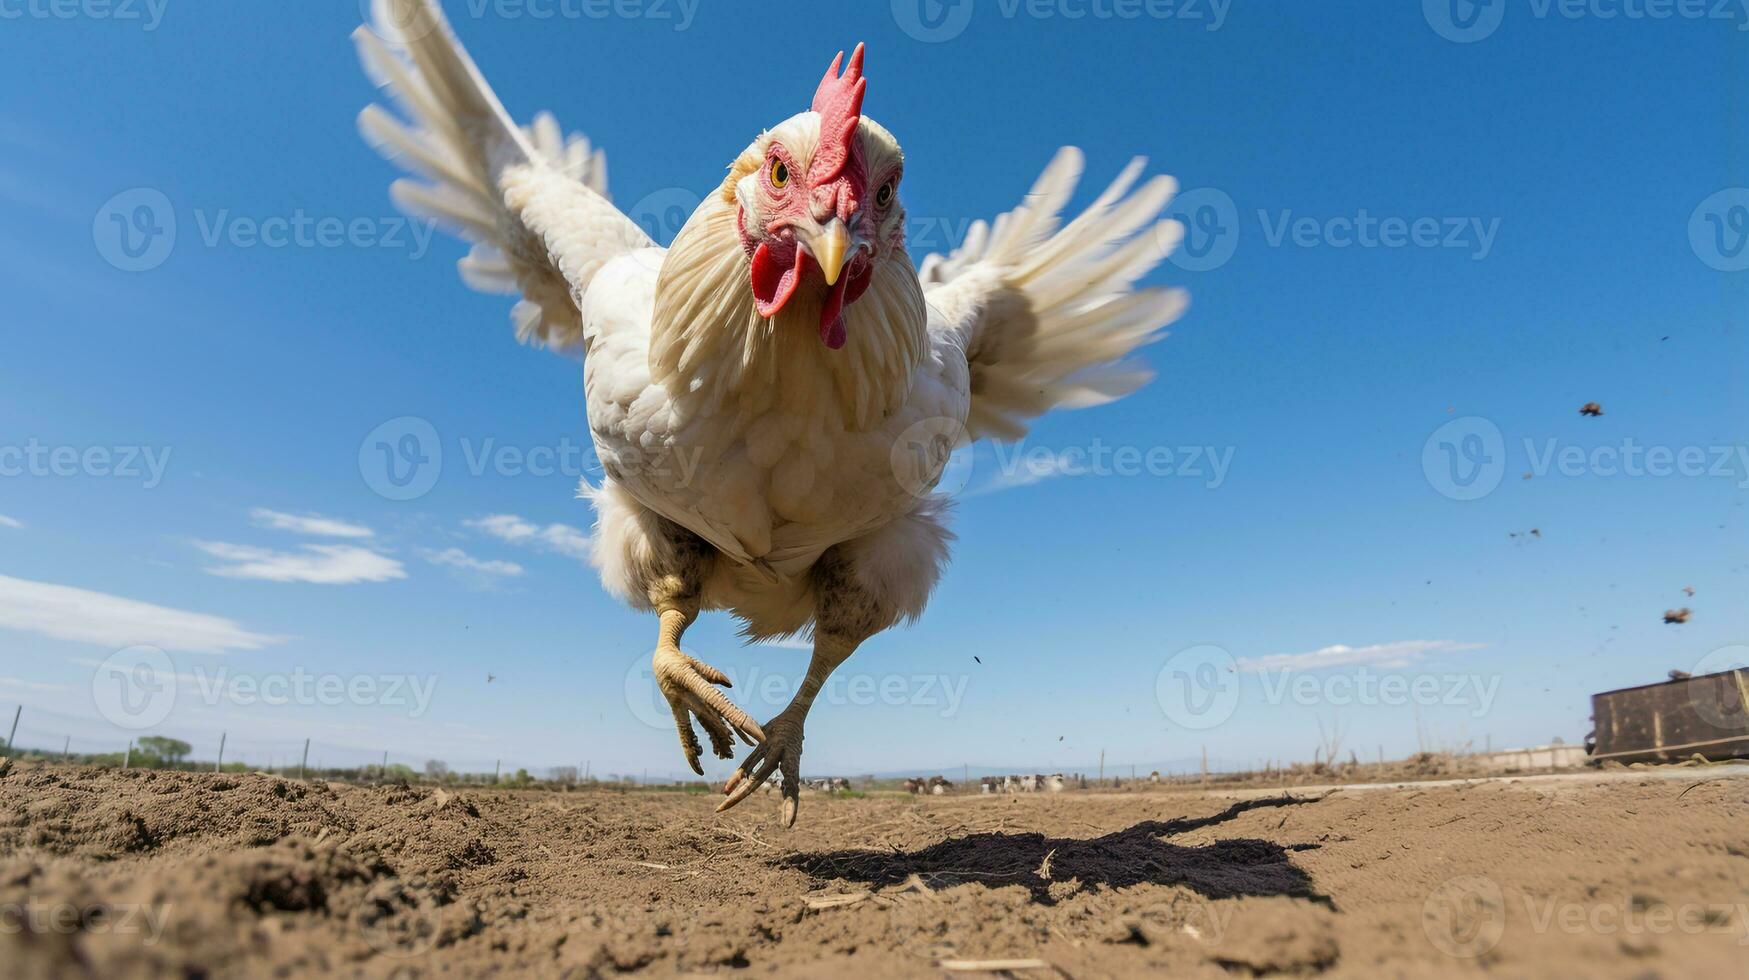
x: 1047, y: 313
x: 532, y: 200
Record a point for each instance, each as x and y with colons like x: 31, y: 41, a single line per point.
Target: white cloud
x: 457, y: 558
x: 66, y: 613
x: 1026, y: 470
x: 314, y: 525
x: 24, y: 685
x: 1399, y: 654
x: 10, y: 522
x: 558, y: 538
x: 320, y: 564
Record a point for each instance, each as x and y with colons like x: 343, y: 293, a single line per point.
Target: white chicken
x: 774, y: 397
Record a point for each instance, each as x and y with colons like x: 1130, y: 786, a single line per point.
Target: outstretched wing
x: 1047, y: 313
x: 533, y: 202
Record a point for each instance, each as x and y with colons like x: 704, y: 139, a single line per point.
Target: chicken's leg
x: 684, y: 680
x: 781, y: 749
x: 846, y: 612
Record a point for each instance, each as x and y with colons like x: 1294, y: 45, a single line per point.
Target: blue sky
x: 1556, y: 198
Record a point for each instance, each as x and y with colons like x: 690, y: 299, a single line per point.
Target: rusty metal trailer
x: 1674, y: 720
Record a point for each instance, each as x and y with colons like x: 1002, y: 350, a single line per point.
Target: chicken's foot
x: 781, y: 748
x: 686, y: 682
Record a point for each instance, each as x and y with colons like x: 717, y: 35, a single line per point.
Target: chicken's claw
x: 686, y: 682
x: 781, y: 750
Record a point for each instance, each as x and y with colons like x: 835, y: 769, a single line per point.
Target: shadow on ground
x: 1135, y: 856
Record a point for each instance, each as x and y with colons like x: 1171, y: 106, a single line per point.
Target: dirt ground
x: 121, y: 874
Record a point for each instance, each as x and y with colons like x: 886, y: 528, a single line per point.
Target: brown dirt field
x: 123, y: 874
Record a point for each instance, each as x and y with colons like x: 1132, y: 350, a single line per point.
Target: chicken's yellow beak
x: 830, y: 247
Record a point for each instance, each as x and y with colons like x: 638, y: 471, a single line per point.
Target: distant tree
x: 437, y: 770
x: 169, y: 751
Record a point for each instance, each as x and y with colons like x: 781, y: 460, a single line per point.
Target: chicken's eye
x: 884, y: 196
x: 779, y: 173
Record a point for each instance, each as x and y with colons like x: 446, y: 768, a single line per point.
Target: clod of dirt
x: 1591, y: 409
x: 1676, y: 616
x: 110, y: 815
x: 1265, y: 936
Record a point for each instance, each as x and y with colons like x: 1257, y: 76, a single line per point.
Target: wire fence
x: 33, y: 732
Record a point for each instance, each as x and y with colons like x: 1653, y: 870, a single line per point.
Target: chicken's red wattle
x: 774, y: 281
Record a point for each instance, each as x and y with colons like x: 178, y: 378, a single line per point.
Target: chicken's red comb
x: 839, y: 103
